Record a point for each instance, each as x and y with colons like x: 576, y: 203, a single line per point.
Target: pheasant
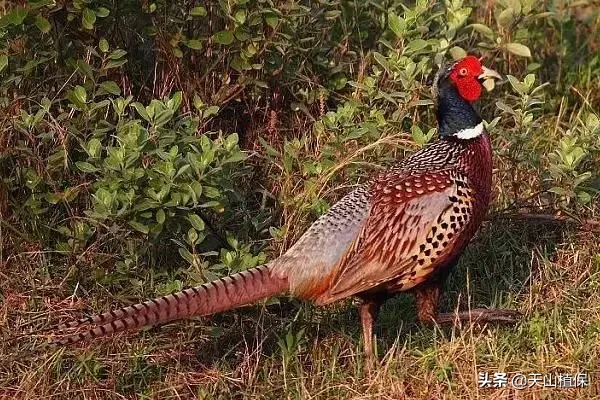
x: 402, y: 231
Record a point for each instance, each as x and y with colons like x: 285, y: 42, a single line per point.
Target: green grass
x: 548, y: 271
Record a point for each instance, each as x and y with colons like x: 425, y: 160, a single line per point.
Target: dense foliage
x: 119, y: 119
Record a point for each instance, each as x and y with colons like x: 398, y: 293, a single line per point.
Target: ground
x: 548, y: 270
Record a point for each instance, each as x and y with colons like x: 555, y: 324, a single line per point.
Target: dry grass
x: 297, y: 351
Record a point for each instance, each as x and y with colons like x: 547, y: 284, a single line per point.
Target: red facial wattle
x: 464, y: 75
x: 469, y: 88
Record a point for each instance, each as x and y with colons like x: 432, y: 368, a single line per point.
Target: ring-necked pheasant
x: 404, y: 230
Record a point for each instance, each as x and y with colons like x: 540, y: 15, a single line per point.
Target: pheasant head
x: 457, y: 87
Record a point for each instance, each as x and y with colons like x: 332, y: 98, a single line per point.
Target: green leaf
x: 457, y: 53
x: 271, y: 18
x: 418, y: 135
x: 380, y: 58
x: 103, y: 45
x: 458, y: 17
x: 183, y: 170
x: 196, y: 221
x: 397, y: 24
x: 505, y: 107
x: 192, y: 236
x: 111, y: 87
x: 114, y: 64
x: 198, y: 103
x: 231, y: 141
x: 88, y: 18
x: 117, y: 54
x: 506, y: 17
x: 197, y: 188
x: 558, y: 190
x: 163, y: 117
x: 592, y: 122
x: 210, y: 111
x: 194, y: 44
x: 139, y: 107
x: 139, y: 227
x: 240, y: 16
x: 14, y: 17
x: 584, y: 197
x: 198, y: 12
x: 42, y: 24
x: 175, y: 101
x: 102, y: 12
x: 519, y: 49
x: 483, y: 29
x: 355, y: 133
x: 242, y: 35
x: 519, y: 87
x: 177, y: 52
x: 75, y: 100
x: 240, y: 63
x: 94, y: 148
x: 86, y: 69
x: 236, y: 157
x: 211, y: 192
x: 489, y: 84
x: 151, y: 109
x: 80, y: 94
x: 223, y: 37
x: 416, y: 45
x: 18, y: 15
x: 582, y: 178
x: 86, y: 167
x: 3, y: 62
x: 53, y: 198
x: 186, y: 255
x: 160, y: 216
x: 529, y: 80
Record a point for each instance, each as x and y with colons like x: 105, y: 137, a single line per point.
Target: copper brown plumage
x: 212, y: 297
x: 404, y: 230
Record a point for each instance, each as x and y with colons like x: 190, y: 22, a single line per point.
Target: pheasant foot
x: 480, y: 315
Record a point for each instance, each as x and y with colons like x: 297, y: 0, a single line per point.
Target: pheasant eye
x: 462, y: 72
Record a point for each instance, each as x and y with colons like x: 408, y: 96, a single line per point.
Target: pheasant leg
x: 369, y: 309
x: 427, y: 298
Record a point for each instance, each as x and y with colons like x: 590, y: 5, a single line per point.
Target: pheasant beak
x: 488, y: 73
x: 487, y: 78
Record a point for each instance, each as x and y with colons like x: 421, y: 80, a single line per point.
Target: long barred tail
x: 223, y: 294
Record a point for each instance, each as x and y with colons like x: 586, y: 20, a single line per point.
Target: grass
x: 551, y: 272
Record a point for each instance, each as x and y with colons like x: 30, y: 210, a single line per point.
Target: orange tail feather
x: 223, y: 294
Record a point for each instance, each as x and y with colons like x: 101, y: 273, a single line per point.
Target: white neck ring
x: 470, y: 133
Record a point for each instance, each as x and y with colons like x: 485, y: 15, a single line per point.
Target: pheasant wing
x: 311, y: 260
x: 415, y: 224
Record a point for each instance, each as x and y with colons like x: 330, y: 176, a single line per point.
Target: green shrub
x: 118, y: 144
